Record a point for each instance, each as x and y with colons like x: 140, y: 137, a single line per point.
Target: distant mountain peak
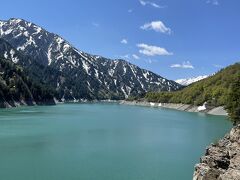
x: 188, y: 81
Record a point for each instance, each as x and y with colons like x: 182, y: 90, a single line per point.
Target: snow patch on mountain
x: 188, y: 81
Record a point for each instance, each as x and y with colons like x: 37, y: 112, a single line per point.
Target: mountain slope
x: 79, y: 75
x: 43, y: 74
x: 213, y: 89
x: 16, y: 87
x: 188, y: 81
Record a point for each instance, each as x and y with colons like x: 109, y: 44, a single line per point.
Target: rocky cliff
x: 221, y: 160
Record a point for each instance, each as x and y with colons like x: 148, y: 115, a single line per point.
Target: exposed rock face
x: 222, y: 160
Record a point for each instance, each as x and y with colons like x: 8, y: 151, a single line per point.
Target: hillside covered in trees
x: 214, y: 90
x: 17, y: 87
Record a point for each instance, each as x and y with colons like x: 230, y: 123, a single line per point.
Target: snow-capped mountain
x: 78, y: 74
x: 188, y: 81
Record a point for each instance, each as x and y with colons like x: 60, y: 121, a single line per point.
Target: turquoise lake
x: 103, y: 142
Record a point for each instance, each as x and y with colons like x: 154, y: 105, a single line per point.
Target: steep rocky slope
x: 222, y: 160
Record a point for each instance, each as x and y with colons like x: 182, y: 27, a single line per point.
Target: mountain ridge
x: 81, y: 75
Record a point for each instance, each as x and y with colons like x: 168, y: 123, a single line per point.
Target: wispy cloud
x: 184, y: 65
x: 126, y: 56
x: 157, y: 26
x: 135, y: 56
x: 218, y: 66
x: 130, y: 10
x: 213, y: 2
x: 95, y: 24
x: 124, y: 41
x: 149, y: 50
x: 155, y: 5
x: 150, y: 61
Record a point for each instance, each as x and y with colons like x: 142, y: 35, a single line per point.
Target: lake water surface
x: 103, y: 142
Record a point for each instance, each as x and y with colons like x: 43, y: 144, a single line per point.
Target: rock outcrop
x: 222, y: 160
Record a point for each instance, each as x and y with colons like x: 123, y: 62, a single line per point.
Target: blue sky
x: 174, y: 38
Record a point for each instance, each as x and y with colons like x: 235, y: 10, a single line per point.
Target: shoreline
x: 217, y: 111
x: 20, y: 103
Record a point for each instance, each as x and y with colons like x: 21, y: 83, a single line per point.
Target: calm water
x: 103, y: 142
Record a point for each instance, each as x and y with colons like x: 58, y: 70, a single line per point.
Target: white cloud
x: 130, y: 10
x: 155, y: 5
x: 213, y: 2
x: 124, y: 41
x: 143, y: 2
x: 184, y: 65
x: 135, y: 56
x: 149, y: 50
x: 157, y: 26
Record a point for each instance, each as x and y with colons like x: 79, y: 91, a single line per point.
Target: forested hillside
x: 17, y: 87
x: 214, y: 89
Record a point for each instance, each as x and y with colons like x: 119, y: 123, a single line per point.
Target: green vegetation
x: 233, y: 101
x: 213, y: 90
x: 16, y: 86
